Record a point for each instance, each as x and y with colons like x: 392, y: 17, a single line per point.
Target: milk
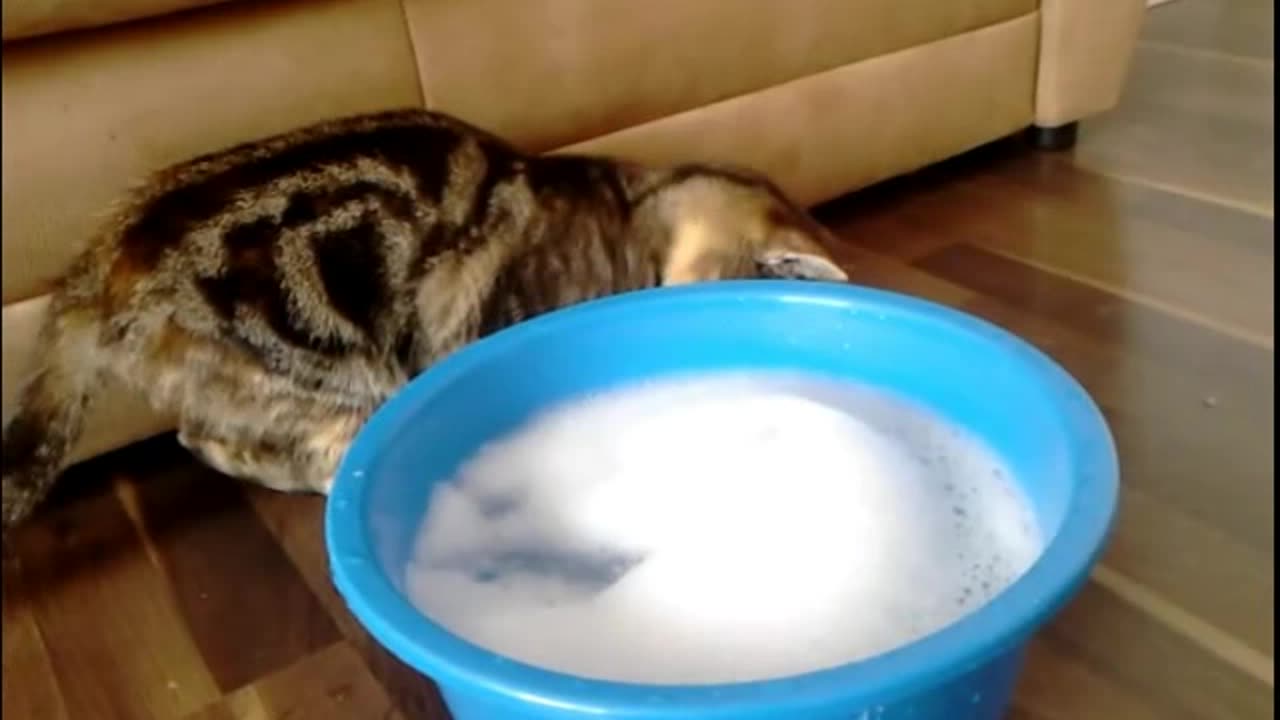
x: 720, y: 528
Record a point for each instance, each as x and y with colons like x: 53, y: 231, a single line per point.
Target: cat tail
x: 51, y: 406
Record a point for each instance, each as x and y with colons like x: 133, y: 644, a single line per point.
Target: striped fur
x: 272, y: 295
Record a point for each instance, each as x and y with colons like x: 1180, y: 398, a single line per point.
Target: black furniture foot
x: 1062, y: 137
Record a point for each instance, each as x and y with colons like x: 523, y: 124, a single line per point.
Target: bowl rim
x: 996, y: 628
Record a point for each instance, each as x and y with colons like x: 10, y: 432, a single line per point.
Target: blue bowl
x: 1024, y: 405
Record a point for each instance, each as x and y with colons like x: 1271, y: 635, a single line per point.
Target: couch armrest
x: 1085, y: 50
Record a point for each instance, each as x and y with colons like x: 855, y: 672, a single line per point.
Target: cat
x: 272, y: 295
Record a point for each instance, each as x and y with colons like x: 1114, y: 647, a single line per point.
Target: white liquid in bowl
x: 722, y: 528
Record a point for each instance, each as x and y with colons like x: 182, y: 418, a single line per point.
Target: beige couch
x: 825, y: 95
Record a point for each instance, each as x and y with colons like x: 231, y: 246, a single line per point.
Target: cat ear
x: 793, y: 264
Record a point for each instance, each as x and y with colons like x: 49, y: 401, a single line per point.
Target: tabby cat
x: 272, y: 295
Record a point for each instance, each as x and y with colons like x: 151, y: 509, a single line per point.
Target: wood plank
x: 1189, y: 257
x: 117, y: 645
x: 1224, y: 484
x: 1197, y: 352
x: 217, y: 711
x: 297, y: 524
x: 30, y: 688
x: 330, y: 684
x: 1057, y: 684
x: 1239, y: 28
x: 243, y: 601
x: 1137, y: 652
x: 1199, y: 568
x: 1198, y: 124
x: 1203, y: 261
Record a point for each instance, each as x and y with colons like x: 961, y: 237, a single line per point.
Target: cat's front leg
x: 237, y: 453
x: 325, y: 445
x: 303, y: 460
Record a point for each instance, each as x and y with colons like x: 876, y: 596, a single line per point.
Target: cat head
x: 723, y: 224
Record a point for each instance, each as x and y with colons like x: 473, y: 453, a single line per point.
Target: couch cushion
x: 824, y: 134
x: 28, y: 18
x: 549, y: 72
x: 86, y: 115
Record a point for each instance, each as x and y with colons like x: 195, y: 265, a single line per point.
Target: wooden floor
x: 1143, y: 261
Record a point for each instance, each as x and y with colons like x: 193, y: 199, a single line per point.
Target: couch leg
x: 1062, y: 137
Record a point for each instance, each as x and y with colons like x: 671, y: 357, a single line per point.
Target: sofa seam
x: 424, y: 95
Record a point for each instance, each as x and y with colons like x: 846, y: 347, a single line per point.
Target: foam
x: 719, y: 528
